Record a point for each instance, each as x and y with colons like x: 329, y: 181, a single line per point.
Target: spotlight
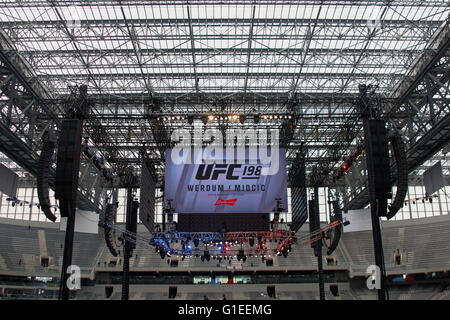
x: 211, y: 117
x: 241, y: 255
x: 235, y: 117
x: 345, y: 166
x: 265, y: 117
x: 207, y: 255
x: 196, y: 242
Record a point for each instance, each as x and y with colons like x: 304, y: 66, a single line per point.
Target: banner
x: 360, y: 220
x: 86, y: 222
x: 244, y: 185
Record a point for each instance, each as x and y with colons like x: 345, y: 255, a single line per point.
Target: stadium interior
x: 105, y: 107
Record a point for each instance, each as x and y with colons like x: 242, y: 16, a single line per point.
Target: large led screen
x: 242, y: 184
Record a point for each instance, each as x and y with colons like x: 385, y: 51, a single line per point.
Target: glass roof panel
x: 291, y: 45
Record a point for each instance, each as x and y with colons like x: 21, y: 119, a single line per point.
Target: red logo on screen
x: 230, y: 202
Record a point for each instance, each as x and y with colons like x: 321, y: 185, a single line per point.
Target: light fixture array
x: 276, y: 117
x: 231, y: 117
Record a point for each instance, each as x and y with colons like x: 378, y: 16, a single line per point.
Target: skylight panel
x: 220, y: 47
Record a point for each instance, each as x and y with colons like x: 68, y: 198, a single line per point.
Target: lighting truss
x: 218, y: 241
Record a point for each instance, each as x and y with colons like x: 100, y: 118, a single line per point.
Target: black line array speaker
x: 401, y: 164
x: 334, y: 289
x: 133, y: 222
x: 172, y: 292
x: 314, y: 222
x: 110, y: 213
x: 147, y: 195
x: 378, y: 166
x: 174, y: 263
x: 337, y: 231
x: 43, y: 174
x: 108, y: 292
x: 299, y: 203
x: 68, y: 161
x: 271, y: 291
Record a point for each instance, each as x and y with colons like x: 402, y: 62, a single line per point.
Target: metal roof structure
x: 148, y: 65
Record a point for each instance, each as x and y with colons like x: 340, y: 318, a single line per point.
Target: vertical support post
x: 378, y: 248
x: 64, y: 292
x: 319, y: 246
x: 127, y: 248
x: 115, y: 198
x: 314, y: 221
x: 320, y: 267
